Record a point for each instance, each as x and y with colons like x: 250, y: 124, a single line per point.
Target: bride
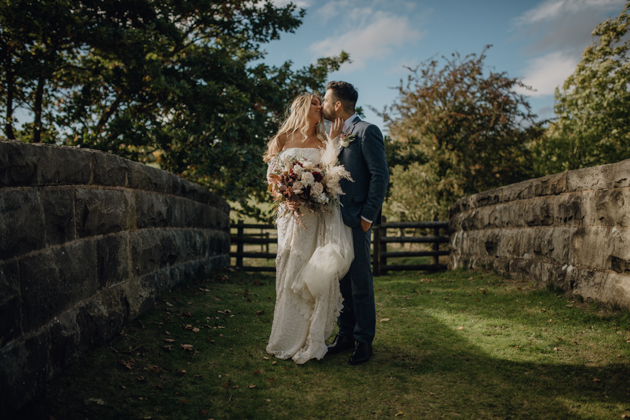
x: 312, y: 257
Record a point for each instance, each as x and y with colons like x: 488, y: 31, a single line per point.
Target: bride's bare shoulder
x: 282, y: 140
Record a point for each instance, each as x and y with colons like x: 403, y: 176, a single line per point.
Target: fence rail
x: 379, y: 253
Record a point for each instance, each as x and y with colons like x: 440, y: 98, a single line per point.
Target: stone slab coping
x: 38, y: 165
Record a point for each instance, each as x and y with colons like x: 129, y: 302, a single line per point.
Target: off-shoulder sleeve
x: 273, y: 165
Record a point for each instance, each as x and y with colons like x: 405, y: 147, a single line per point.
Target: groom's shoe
x: 341, y: 343
x: 362, y: 353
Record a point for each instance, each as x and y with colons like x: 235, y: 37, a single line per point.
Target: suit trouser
x: 358, y: 317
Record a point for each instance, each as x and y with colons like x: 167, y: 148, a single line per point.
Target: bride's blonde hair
x: 297, y: 120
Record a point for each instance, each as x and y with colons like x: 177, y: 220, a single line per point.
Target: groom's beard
x: 329, y: 116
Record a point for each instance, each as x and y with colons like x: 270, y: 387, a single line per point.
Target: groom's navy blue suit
x: 364, y: 158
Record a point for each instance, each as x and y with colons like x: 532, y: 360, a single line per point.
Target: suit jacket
x: 364, y: 158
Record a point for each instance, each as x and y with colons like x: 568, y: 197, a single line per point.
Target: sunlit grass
x: 443, y: 348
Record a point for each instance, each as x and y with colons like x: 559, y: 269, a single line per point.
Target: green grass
x: 443, y: 349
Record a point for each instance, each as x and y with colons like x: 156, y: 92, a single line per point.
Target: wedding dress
x: 309, y: 264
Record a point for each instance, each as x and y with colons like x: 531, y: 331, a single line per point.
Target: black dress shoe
x: 341, y: 343
x: 362, y: 353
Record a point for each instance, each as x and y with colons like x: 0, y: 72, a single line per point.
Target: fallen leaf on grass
x: 198, y: 376
x: 195, y: 330
x: 596, y: 380
x: 96, y: 401
x: 259, y: 313
x: 555, y: 349
x: 235, y: 387
x: 169, y: 340
x: 399, y: 414
x: 187, y: 347
x: 129, y: 364
x: 141, y: 379
x: 188, y: 327
x: 384, y: 319
x: 256, y: 372
x: 460, y: 328
x: 180, y: 371
x: 167, y: 333
x: 268, y: 400
x: 251, y: 386
x: 203, y: 412
x: 266, y: 358
x: 168, y: 347
x: 271, y: 379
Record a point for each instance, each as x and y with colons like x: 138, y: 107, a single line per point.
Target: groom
x: 364, y: 157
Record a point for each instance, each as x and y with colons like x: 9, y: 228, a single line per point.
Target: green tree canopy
x: 180, y: 83
x: 455, y: 130
x: 593, y: 105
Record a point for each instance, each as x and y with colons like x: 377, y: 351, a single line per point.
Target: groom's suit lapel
x: 351, y: 131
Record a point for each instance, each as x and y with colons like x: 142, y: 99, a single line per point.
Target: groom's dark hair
x: 345, y: 93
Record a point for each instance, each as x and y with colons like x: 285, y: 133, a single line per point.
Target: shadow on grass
x: 423, y: 366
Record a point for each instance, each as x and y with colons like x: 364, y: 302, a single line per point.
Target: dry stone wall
x: 570, y: 229
x: 87, y: 242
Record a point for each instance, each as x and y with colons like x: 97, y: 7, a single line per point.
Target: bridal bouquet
x: 310, y: 186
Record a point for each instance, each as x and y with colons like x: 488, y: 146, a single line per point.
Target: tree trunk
x: 39, y: 98
x: 8, y: 128
x: 107, y: 115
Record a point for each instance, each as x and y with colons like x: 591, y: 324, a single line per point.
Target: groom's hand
x: 365, y: 225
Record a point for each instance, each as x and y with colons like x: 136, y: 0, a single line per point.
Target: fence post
x: 382, y: 232
x: 376, y: 245
x: 240, y: 235
x: 436, y: 245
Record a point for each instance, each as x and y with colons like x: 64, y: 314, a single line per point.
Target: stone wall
x: 87, y: 242
x: 570, y: 229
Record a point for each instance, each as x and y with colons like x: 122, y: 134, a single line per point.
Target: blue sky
x: 538, y: 41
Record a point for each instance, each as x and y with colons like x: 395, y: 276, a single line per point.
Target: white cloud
x: 374, y: 41
x: 334, y: 8
x: 552, y: 9
x: 548, y: 72
x: 359, y: 9
x: 301, y: 4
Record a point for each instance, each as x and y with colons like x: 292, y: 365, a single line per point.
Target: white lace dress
x: 309, y: 264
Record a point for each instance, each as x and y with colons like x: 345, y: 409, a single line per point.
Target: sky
x: 539, y: 42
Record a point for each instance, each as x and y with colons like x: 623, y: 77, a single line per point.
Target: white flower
x: 298, y: 187
x: 317, y: 188
x: 322, y: 198
x: 298, y: 169
x: 307, y: 178
x: 345, y: 141
x: 308, y: 165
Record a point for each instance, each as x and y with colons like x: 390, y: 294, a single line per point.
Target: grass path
x: 461, y: 344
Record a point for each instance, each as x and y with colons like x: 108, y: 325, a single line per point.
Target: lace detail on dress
x: 302, y: 322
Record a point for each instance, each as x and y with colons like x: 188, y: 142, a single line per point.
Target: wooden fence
x: 259, y: 234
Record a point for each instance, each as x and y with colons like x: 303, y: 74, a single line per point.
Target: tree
x: 178, y: 83
x: 456, y: 130
x: 593, y: 106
